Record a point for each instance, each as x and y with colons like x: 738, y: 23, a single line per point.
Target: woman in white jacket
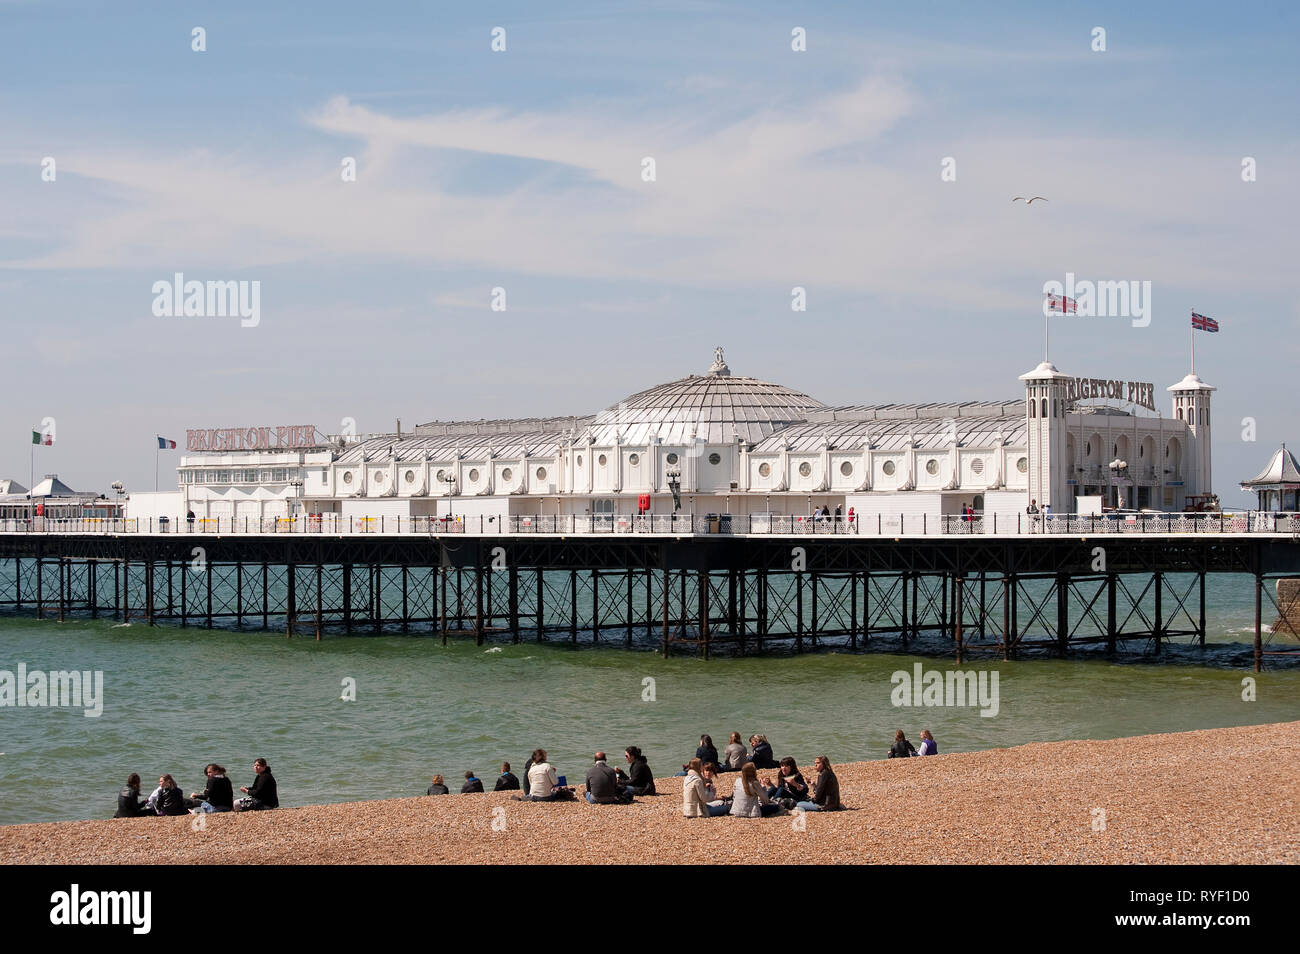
x: 751, y: 799
x: 695, y: 796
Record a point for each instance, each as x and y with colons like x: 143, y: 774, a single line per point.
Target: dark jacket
x: 707, y: 754
x: 826, y: 792
x: 129, y: 803
x: 792, y: 786
x: 171, y: 802
x: 901, y: 750
x: 602, y: 783
x: 220, y: 794
x: 524, y: 783
x: 438, y: 790
x: 471, y: 785
x: 762, y: 756
x: 641, y: 778
x: 506, y: 783
x: 264, y: 790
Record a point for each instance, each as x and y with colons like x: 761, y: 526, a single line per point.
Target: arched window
x: 1044, y: 407
x: 1033, y: 408
x: 1180, y: 414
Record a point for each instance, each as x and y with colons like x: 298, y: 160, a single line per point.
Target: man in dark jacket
x: 471, y: 785
x: 506, y: 782
x: 129, y: 802
x: 602, y: 783
x: 263, y: 793
x: 170, y: 799
x: 639, y: 779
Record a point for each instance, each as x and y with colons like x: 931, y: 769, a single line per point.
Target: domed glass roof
x: 717, y: 408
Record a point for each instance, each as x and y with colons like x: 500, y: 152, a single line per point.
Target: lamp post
x: 296, y: 501
x: 118, y: 488
x: 674, y: 476
x: 450, y: 481
x: 1118, y: 476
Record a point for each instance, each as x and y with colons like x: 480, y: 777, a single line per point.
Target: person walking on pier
x: 826, y: 790
x: 263, y: 794
x: 1032, y: 511
x: 437, y: 786
x: 928, y: 745
x: 507, y: 781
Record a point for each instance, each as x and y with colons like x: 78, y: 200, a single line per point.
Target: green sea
x: 176, y: 699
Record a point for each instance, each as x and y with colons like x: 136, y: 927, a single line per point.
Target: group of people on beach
x: 217, y: 796
x: 752, y: 796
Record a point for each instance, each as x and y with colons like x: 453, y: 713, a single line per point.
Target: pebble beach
x: 1223, y: 796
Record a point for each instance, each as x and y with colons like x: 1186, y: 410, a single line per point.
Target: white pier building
x: 728, y: 444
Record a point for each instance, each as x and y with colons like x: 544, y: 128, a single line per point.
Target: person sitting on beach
x: 472, y: 785
x: 170, y: 800
x: 718, y: 804
x: 761, y: 752
x: 901, y: 748
x: 602, y: 784
x: 507, y: 781
x: 437, y: 786
x: 219, y: 796
x: 639, y: 780
x: 543, y: 783
x: 826, y: 790
x: 790, y: 787
x: 928, y: 745
x: 263, y: 794
x: 735, y: 754
x: 707, y: 752
x: 697, y: 796
x: 129, y: 802
x: 750, y: 799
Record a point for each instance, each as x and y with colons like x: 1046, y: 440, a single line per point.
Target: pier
x: 1060, y: 590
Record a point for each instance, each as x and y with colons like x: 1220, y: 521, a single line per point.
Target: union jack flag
x: 1062, y: 305
x: 1203, y: 323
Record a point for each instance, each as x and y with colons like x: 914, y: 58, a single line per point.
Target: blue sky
x: 521, y: 170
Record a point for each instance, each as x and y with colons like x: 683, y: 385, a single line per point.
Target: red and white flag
x: 1204, y: 323
x: 1062, y: 305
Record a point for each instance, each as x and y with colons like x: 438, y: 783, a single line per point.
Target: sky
x: 524, y: 169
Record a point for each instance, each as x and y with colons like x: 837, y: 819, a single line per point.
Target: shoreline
x: 1205, y: 796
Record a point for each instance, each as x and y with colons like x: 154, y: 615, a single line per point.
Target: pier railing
x: 682, y: 524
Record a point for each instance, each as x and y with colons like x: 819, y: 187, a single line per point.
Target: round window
x: 579, y: 460
x: 378, y: 476
x: 846, y: 469
x: 347, y: 477
x: 1022, y: 464
x: 507, y: 474
x: 977, y: 465
x: 764, y: 470
x: 473, y: 474
x: 541, y: 473
x: 671, y: 458
x: 601, y: 460
x: 889, y: 468
x: 441, y: 475
x: 634, y: 459
x: 715, y: 460
x: 410, y: 476
x: 932, y: 466
x: 805, y: 469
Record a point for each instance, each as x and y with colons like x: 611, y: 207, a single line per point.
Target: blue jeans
x: 717, y: 810
x: 590, y: 799
x: 809, y: 806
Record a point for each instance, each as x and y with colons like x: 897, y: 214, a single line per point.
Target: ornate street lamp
x: 674, y: 476
x: 450, y: 481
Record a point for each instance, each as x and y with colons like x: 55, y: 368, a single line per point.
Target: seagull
x: 1021, y: 198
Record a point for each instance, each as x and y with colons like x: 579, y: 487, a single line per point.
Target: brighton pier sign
x: 1141, y: 393
x: 291, y: 437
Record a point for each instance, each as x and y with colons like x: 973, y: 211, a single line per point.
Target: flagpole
x: 156, y: 454
x: 1193, y: 337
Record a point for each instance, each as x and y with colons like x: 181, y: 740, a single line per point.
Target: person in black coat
x: 507, y: 781
x: 761, y: 752
x: 219, y: 794
x: 437, y: 787
x: 263, y: 793
x: 170, y: 799
x: 707, y: 752
x: 639, y: 780
x: 471, y: 785
x: 901, y: 748
x: 129, y: 802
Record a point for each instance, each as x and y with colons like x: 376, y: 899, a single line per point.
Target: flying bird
x: 1021, y: 198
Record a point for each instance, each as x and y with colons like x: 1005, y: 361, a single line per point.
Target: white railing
x: 877, y: 525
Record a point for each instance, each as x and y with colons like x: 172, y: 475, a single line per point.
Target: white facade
x: 742, y: 446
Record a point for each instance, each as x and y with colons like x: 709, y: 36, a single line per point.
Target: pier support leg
x: 1159, y: 634
x: 1259, y: 622
x: 798, y: 611
x: 186, y: 569
x: 478, y: 602
x: 573, y: 606
x: 703, y: 595
x: 40, y: 590
x: 239, y: 595
x: 207, y: 574
x: 148, y: 591
x: 663, y: 648
x: 956, y: 615
x: 1200, y: 622
x: 291, y: 601
x: 1062, y: 613
x: 1112, y: 588
x: 320, y: 600
x: 1006, y: 617
x: 540, y: 613
x: 514, y: 603
x: 631, y: 576
x: 406, y: 609
x: 347, y: 598
x: 595, y: 607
